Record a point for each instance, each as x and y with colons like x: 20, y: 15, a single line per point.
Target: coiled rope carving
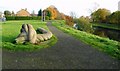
x: 28, y: 34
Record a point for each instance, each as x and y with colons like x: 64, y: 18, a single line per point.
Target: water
x: 108, y: 33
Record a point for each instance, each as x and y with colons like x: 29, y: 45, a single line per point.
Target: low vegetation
x: 0, y: 35
x: 11, y: 29
x: 107, y: 26
x: 25, y: 18
x: 106, y: 45
x: 84, y: 24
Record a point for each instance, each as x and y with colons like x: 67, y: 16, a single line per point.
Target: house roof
x: 23, y: 12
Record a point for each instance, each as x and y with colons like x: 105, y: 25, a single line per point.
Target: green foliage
x: 40, y: 12
x: 47, y: 18
x: 104, y: 16
x: 23, y: 18
x: 100, y: 15
x: 10, y: 17
x: 107, y: 26
x: 7, y: 13
x: 48, y: 13
x: 11, y: 29
x: 114, y: 18
x: 84, y: 24
x: 106, y: 45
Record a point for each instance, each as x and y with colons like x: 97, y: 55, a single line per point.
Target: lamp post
x: 43, y: 15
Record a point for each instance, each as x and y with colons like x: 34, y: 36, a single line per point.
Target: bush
x: 84, y: 24
x: 25, y: 18
x: 21, y: 18
x: 10, y: 17
x: 69, y: 20
x: 114, y: 18
x: 47, y: 18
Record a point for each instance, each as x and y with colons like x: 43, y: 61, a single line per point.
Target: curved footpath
x: 68, y: 53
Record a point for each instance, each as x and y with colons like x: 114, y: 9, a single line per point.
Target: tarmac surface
x: 67, y: 53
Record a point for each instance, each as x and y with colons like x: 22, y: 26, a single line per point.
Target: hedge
x: 25, y: 18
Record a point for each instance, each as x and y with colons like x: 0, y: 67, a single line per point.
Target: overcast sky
x: 80, y: 7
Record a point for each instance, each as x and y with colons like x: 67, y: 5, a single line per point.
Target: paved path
x: 68, y: 53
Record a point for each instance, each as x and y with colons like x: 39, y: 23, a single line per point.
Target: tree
x: 59, y: 16
x: 7, y: 13
x: 54, y: 12
x: 114, y: 18
x: 33, y: 13
x: 48, y: 13
x: 93, y: 8
x: 13, y: 14
x: 69, y: 20
x: 73, y: 14
x: 100, y: 15
x: 40, y: 12
x: 84, y: 24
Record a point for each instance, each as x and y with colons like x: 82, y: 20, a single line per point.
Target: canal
x: 113, y: 34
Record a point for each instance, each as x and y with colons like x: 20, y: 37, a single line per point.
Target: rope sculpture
x: 28, y: 34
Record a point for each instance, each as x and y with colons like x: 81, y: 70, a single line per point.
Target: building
x: 23, y: 12
x: 2, y: 17
x: 119, y: 6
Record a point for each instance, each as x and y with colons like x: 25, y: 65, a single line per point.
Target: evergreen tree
x: 40, y: 12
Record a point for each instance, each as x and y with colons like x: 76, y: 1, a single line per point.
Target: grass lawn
x: 11, y: 29
x: 106, y: 45
x: 109, y: 26
x: 0, y: 35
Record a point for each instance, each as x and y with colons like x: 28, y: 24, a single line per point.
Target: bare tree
x: 73, y: 14
x: 93, y: 8
x: 33, y: 13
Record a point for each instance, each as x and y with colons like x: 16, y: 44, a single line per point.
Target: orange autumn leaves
x: 53, y: 11
x: 56, y: 15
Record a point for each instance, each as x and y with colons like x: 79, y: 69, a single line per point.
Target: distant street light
x: 43, y: 15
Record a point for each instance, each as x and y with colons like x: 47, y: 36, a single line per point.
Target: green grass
x: 106, y: 45
x: 0, y: 35
x: 107, y: 26
x: 11, y: 29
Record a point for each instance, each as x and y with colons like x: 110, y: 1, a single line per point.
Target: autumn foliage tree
x: 100, y: 15
x: 55, y: 14
x: 69, y: 20
x: 53, y: 11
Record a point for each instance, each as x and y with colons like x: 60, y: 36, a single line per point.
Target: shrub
x: 114, y: 18
x: 10, y: 17
x: 69, y: 20
x: 25, y: 18
x: 84, y: 25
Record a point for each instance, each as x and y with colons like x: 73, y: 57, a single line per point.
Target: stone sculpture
x: 28, y: 34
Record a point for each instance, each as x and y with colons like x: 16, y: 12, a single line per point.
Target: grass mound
x: 11, y: 29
